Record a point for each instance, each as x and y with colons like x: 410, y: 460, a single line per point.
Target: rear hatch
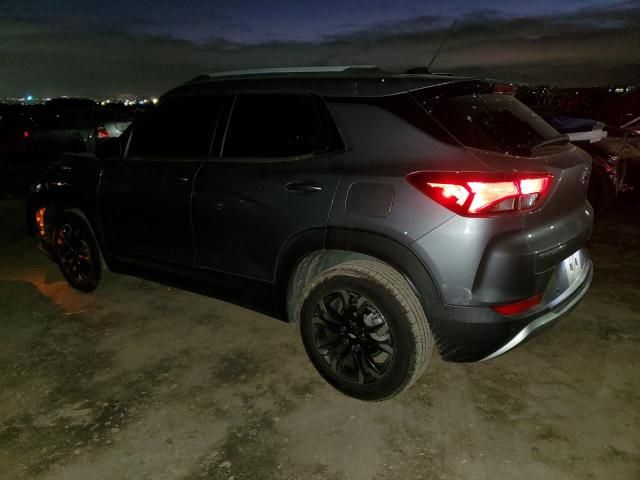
x: 506, y: 135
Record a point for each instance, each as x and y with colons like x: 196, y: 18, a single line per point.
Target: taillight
x: 505, y: 88
x: 26, y: 134
x: 519, y: 306
x: 477, y: 194
x: 40, y: 222
x: 102, y: 132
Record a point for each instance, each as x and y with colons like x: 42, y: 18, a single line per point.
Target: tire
x: 76, y: 252
x: 380, y: 344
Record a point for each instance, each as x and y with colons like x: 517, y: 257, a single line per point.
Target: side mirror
x: 108, y: 148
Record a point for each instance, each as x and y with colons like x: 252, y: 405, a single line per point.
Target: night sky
x: 106, y: 47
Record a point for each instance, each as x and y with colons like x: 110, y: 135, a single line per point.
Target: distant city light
x: 154, y: 100
x: 29, y: 98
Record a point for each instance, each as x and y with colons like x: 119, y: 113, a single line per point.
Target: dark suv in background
x: 384, y: 213
x: 74, y: 125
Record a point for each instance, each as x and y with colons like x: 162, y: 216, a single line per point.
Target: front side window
x: 178, y: 127
x: 276, y: 125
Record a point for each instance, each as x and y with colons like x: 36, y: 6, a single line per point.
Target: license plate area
x: 572, y: 267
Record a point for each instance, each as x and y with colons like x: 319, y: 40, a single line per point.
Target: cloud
x: 383, y: 30
x: 589, y: 47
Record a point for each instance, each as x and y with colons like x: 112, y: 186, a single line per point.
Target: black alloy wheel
x: 364, y: 329
x: 352, y: 336
x: 77, y: 253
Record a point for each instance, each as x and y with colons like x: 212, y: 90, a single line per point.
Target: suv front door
x: 145, y: 198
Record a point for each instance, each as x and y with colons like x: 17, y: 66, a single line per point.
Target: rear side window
x: 487, y: 121
x: 278, y: 125
x: 178, y: 127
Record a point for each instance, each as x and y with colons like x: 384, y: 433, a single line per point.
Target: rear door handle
x: 306, y: 187
x: 176, y: 178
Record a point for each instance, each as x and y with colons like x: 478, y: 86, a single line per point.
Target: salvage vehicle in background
x: 386, y: 214
x: 611, y: 157
x: 604, y: 122
x: 611, y: 152
x: 74, y: 125
x: 608, y: 167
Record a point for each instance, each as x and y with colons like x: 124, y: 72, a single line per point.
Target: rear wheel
x: 364, y: 330
x: 76, y: 251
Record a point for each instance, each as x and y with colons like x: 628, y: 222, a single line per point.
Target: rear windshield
x: 489, y: 121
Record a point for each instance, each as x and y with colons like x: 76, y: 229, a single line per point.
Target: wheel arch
x: 309, y: 254
x: 57, y: 203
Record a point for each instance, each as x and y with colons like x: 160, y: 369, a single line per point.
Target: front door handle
x: 176, y: 178
x: 306, y: 187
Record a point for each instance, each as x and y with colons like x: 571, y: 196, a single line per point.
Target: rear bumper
x: 479, y: 262
x: 470, y: 334
x: 552, y: 313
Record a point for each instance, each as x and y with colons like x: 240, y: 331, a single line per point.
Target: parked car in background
x: 577, y: 129
x: 609, y: 170
x: 608, y: 166
x: 16, y: 128
x: 611, y: 151
x: 614, y: 106
x: 112, y: 123
x: 74, y: 125
x: 386, y: 214
x: 631, y: 124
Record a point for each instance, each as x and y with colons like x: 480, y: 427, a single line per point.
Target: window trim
x: 181, y: 158
x: 316, y: 100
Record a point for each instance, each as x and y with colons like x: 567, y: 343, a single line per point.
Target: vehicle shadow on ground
x: 52, y: 403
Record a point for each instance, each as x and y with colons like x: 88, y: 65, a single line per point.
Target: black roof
x: 350, y: 82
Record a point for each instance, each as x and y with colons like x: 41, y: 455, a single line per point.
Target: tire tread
x: 396, y: 284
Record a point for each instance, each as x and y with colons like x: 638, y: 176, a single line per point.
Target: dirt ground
x: 141, y: 381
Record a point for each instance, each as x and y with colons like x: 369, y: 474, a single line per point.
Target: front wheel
x: 76, y: 251
x: 364, y: 330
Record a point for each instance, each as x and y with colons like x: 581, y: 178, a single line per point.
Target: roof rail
x: 267, y: 71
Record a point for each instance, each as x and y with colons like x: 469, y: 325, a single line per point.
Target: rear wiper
x: 559, y: 140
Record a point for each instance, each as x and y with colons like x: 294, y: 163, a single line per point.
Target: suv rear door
x: 276, y: 177
x: 145, y: 198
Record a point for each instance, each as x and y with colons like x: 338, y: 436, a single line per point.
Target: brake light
x: 477, y: 194
x: 519, y: 306
x: 102, y: 132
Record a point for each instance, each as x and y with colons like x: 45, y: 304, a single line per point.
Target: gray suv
x: 385, y: 214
